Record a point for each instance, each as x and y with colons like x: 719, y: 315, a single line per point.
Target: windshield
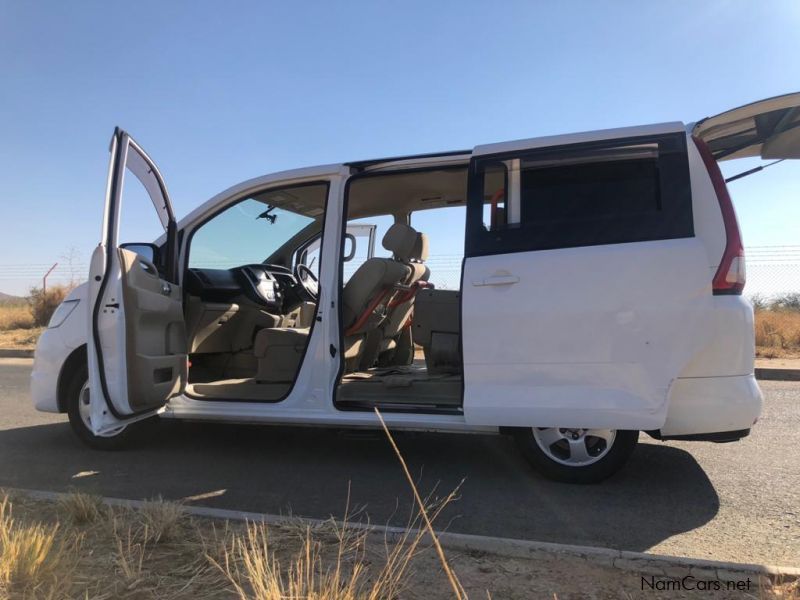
x: 253, y: 229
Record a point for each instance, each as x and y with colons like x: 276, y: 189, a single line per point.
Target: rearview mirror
x: 149, y: 252
x: 349, y: 249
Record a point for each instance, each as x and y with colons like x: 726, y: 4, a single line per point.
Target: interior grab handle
x: 497, y: 280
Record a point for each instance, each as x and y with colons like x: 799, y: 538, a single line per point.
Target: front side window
x: 257, y: 229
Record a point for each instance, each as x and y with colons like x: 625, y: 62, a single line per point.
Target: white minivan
x: 596, y: 292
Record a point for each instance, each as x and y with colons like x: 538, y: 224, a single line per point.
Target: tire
x: 117, y: 440
x: 576, y: 455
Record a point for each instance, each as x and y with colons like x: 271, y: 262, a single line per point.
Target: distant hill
x: 8, y: 298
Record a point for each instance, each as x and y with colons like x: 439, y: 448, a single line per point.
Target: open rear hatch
x: 768, y: 128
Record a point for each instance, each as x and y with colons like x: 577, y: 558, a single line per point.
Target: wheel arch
x: 75, y: 360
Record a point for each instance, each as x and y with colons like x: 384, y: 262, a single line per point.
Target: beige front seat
x: 365, y: 302
x: 388, y: 341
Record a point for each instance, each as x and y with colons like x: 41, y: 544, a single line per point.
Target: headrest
x: 420, y: 251
x: 405, y: 243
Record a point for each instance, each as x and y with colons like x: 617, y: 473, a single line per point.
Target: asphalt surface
x: 736, y: 501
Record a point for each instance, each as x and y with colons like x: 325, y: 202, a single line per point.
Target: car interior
x: 249, y: 315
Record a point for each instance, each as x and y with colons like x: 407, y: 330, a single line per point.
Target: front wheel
x: 574, y: 455
x: 78, y: 403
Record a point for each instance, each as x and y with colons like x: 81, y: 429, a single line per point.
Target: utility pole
x: 46, y: 275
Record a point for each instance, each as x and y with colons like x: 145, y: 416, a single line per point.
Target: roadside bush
x: 759, y: 302
x: 15, y: 316
x: 787, y: 301
x: 44, y: 303
x: 777, y: 332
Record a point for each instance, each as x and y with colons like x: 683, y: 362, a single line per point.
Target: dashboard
x: 272, y: 286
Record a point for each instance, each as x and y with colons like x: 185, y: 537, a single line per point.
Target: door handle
x: 497, y: 280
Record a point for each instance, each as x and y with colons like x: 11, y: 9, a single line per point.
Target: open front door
x: 137, y: 338
x: 768, y: 128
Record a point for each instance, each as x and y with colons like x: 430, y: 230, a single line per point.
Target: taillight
x: 730, y: 276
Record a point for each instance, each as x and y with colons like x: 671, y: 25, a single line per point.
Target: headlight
x: 62, y: 312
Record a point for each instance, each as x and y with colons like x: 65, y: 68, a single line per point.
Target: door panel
x: 585, y: 292
x: 581, y: 337
x: 137, y: 337
x: 155, y: 334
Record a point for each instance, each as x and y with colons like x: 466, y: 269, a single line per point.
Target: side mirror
x: 149, y: 252
x: 349, y: 249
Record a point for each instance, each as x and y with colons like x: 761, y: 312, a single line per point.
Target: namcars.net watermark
x: 690, y: 583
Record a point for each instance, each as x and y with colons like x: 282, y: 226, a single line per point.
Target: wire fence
x: 772, y: 271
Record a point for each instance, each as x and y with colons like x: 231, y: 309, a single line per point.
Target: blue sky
x: 220, y: 92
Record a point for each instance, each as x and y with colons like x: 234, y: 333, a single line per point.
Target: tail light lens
x: 730, y: 276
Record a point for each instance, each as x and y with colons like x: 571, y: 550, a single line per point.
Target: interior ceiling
x: 391, y: 193
x: 406, y: 192
x: 308, y: 200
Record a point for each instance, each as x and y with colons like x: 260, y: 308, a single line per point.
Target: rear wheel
x: 574, y: 455
x: 78, y: 395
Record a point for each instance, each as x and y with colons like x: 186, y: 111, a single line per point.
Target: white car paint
x: 568, y: 334
x: 54, y: 347
x: 626, y: 354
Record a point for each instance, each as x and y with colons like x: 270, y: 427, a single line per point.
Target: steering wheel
x: 309, y: 282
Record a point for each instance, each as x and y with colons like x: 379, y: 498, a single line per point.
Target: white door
x: 137, y: 337
x: 584, y: 289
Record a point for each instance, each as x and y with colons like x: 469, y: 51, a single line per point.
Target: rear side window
x: 580, y: 195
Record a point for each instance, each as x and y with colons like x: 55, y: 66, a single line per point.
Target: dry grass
x: 334, y: 562
x: 115, y: 557
x: 20, y: 339
x: 777, y: 333
x: 781, y: 590
x: 256, y: 573
x: 15, y: 316
x: 17, y: 327
x: 35, y: 561
x: 21, y: 323
x: 161, y: 520
x: 80, y: 507
x: 158, y: 552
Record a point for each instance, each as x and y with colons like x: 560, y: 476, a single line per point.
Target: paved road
x: 729, y: 502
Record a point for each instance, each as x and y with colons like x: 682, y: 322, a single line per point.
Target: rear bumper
x: 718, y: 437
x: 709, y: 407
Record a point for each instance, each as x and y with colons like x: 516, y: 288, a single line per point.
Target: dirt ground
x: 20, y: 339
x: 778, y: 363
x: 111, y: 553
